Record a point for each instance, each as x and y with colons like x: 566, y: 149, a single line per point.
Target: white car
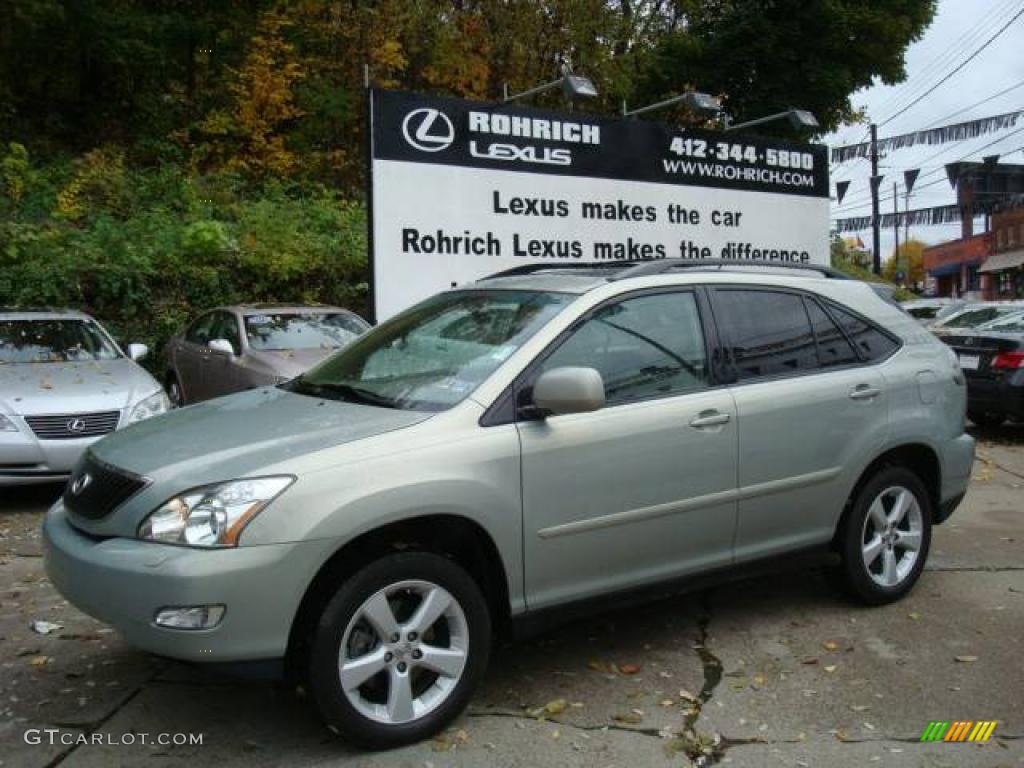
x: 64, y: 383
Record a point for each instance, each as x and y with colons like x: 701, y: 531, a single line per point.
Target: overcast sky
x: 960, y: 27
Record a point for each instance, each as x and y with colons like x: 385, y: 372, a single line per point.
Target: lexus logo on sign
x: 81, y: 483
x: 76, y: 425
x: 428, y: 130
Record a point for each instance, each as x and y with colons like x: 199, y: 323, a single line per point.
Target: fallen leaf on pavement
x: 810, y: 660
x: 630, y: 718
x: 40, y: 661
x: 41, y: 627
x: 965, y: 659
x: 914, y: 616
x: 629, y: 669
x: 830, y: 645
x: 685, y: 694
x: 831, y: 668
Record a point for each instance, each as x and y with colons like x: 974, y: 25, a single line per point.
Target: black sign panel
x: 511, y: 137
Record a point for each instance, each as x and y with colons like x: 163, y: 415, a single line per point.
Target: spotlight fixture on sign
x: 573, y: 86
x: 800, y: 119
x: 702, y: 103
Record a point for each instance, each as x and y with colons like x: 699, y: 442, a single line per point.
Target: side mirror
x: 569, y: 390
x: 137, y: 351
x: 223, y: 346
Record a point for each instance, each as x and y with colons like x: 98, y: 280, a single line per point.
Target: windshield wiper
x: 335, y: 391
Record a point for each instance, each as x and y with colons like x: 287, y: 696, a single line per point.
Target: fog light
x: 190, y: 617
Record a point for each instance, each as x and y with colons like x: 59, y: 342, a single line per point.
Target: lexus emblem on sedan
x: 76, y: 425
x: 428, y: 130
x: 81, y: 483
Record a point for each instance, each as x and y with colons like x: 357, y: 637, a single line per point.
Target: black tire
x: 172, y: 385
x: 986, y: 419
x: 856, y: 577
x: 324, y: 675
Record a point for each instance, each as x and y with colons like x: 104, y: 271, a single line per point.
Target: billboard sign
x: 462, y: 189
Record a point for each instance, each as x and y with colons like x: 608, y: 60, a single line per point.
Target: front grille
x: 70, y: 426
x: 96, y: 489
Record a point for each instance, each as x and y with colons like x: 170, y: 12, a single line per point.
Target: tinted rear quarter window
x: 870, y: 342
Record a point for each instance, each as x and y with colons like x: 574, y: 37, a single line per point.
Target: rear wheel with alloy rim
x: 885, y: 537
x: 399, y: 649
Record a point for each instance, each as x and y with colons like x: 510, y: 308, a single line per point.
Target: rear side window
x: 870, y: 342
x: 644, y: 347
x: 833, y: 347
x: 768, y: 331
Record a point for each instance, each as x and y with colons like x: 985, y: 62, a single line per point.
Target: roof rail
x: 583, y: 266
x: 660, y: 266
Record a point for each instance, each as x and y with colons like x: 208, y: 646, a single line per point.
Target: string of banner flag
x: 942, y: 134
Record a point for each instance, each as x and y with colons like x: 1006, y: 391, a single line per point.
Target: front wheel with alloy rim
x: 885, y: 537
x: 399, y: 649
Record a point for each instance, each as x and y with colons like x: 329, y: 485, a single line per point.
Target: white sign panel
x: 461, y: 190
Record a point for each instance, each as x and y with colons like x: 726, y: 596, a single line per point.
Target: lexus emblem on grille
x: 76, y: 425
x: 81, y: 483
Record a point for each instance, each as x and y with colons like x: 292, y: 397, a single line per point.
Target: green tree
x: 763, y: 57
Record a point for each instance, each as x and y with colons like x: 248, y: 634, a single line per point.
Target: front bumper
x: 1004, y: 395
x: 124, y: 582
x: 26, y: 459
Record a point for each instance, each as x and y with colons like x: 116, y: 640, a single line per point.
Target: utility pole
x: 906, y: 218
x: 876, y: 235
x: 896, y: 227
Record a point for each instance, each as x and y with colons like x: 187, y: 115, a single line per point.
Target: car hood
x: 49, y: 388
x: 289, y: 363
x: 240, y: 434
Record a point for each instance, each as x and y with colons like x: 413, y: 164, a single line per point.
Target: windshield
x: 972, y: 318
x: 1010, y: 324
x: 434, y: 355
x: 311, y: 330
x: 53, y: 341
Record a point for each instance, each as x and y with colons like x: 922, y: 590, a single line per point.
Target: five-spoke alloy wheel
x: 884, y: 537
x: 399, y: 649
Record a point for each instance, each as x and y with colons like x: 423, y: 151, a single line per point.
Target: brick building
x: 954, y: 266
x: 1004, y: 269
x: 989, y: 265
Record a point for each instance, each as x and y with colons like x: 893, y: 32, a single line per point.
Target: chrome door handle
x: 864, y: 392
x: 706, y: 419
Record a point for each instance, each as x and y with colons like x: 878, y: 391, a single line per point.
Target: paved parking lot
x: 761, y: 672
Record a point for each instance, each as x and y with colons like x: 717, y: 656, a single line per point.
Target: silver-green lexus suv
x: 500, y: 450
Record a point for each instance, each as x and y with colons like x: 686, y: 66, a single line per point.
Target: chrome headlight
x: 6, y: 425
x: 153, y: 405
x: 212, y: 515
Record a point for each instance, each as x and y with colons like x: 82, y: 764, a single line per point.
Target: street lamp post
x: 574, y: 87
x: 698, y: 102
x: 800, y: 119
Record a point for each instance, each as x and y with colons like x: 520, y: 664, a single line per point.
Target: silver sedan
x: 64, y: 383
x: 230, y: 349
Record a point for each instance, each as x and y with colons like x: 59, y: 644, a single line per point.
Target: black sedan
x: 992, y: 359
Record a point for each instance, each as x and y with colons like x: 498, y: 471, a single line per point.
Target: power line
x: 988, y: 21
x: 975, y: 104
x: 957, y: 69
